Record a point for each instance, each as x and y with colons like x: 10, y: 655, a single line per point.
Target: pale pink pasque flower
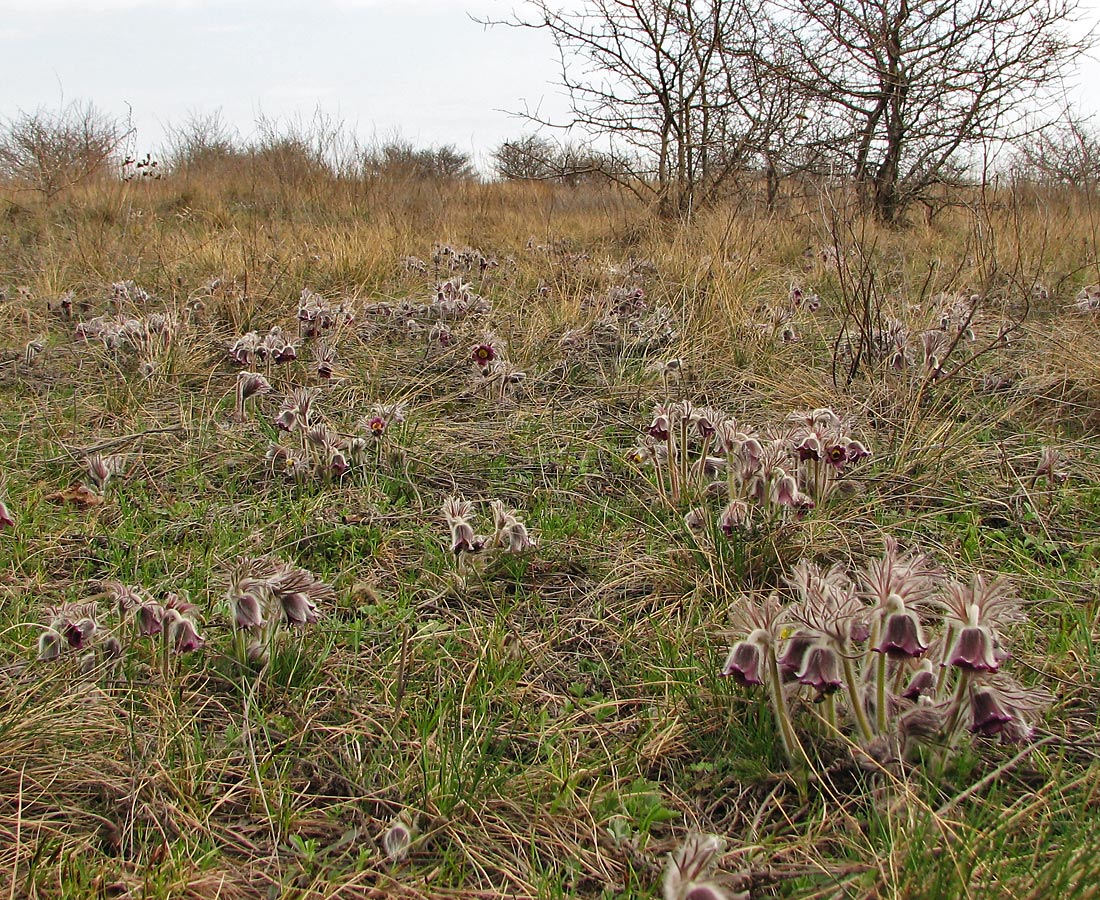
x: 686, y: 876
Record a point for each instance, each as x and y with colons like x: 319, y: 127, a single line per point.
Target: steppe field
x: 386, y: 537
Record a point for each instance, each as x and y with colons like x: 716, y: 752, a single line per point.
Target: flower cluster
x: 955, y: 320
x: 317, y: 315
x: 264, y: 594
x: 252, y: 347
x: 126, y: 293
x: 624, y: 323
x: 1088, y: 299
x: 321, y: 451
x: 144, y: 336
x: 469, y: 259
x: 766, y: 478
x: 864, y: 638
x: 76, y: 628
x: 172, y: 619
x: 510, y: 534
x: 778, y: 320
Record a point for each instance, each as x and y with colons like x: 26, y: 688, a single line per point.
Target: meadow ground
x: 549, y: 722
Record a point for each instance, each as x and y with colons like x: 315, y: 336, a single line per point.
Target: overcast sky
x: 419, y: 68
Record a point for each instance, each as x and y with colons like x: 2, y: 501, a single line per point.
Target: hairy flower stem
x: 953, y: 726
x: 829, y: 703
x: 792, y: 747
x: 685, y: 463
x: 855, y: 696
x: 880, y: 694
x: 673, y: 470
x: 941, y: 678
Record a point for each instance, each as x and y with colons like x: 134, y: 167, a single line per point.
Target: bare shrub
x: 48, y: 152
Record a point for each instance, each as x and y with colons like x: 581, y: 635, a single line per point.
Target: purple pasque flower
x: 975, y: 650
x: 794, y: 654
x: 485, y: 354
x: 734, y: 516
x: 286, y: 420
x: 287, y: 353
x: 249, y: 384
x: 785, y: 492
x: 456, y: 512
x: 820, y: 669
x: 50, y: 645
x: 836, y: 455
x: 298, y: 591
x: 6, y: 519
x: 661, y: 425
x: 1000, y: 706
x: 297, y: 409
x: 902, y: 635
x: 988, y: 713
x: 79, y: 634
x: 808, y: 448
x: 150, y: 618
x: 746, y: 661
x: 706, y: 420
x: 978, y: 611
x: 247, y: 607
x: 857, y: 451
x: 921, y: 684
x: 181, y: 633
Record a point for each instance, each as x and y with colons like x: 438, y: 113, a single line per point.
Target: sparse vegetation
x: 364, y: 535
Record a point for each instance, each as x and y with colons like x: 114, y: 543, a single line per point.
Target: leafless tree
x: 1066, y: 152
x: 908, y: 87
x: 672, y: 84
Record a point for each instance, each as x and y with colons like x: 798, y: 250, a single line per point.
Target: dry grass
x: 554, y: 725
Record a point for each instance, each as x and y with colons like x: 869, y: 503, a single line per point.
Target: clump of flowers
x: 316, y: 315
x: 767, y: 478
x: 778, y: 320
x: 265, y: 595
x: 897, y: 649
x: 624, y: 322
x: 321, y: 451
x: 76, y: 629
x: 129, y: 339
x: 1088, y: 299
x: 273, y: 347
x: 510, y: 534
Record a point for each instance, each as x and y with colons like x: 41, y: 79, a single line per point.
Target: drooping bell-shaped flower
x: 975, y: 650
x: 794, y: 653
x: 150, y: 619
x: 299, y: 609
x: 922, y: 684
x: 820, y: 669
x: 902, y: 636
x: 989, y: 714
x: 745, y: 663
